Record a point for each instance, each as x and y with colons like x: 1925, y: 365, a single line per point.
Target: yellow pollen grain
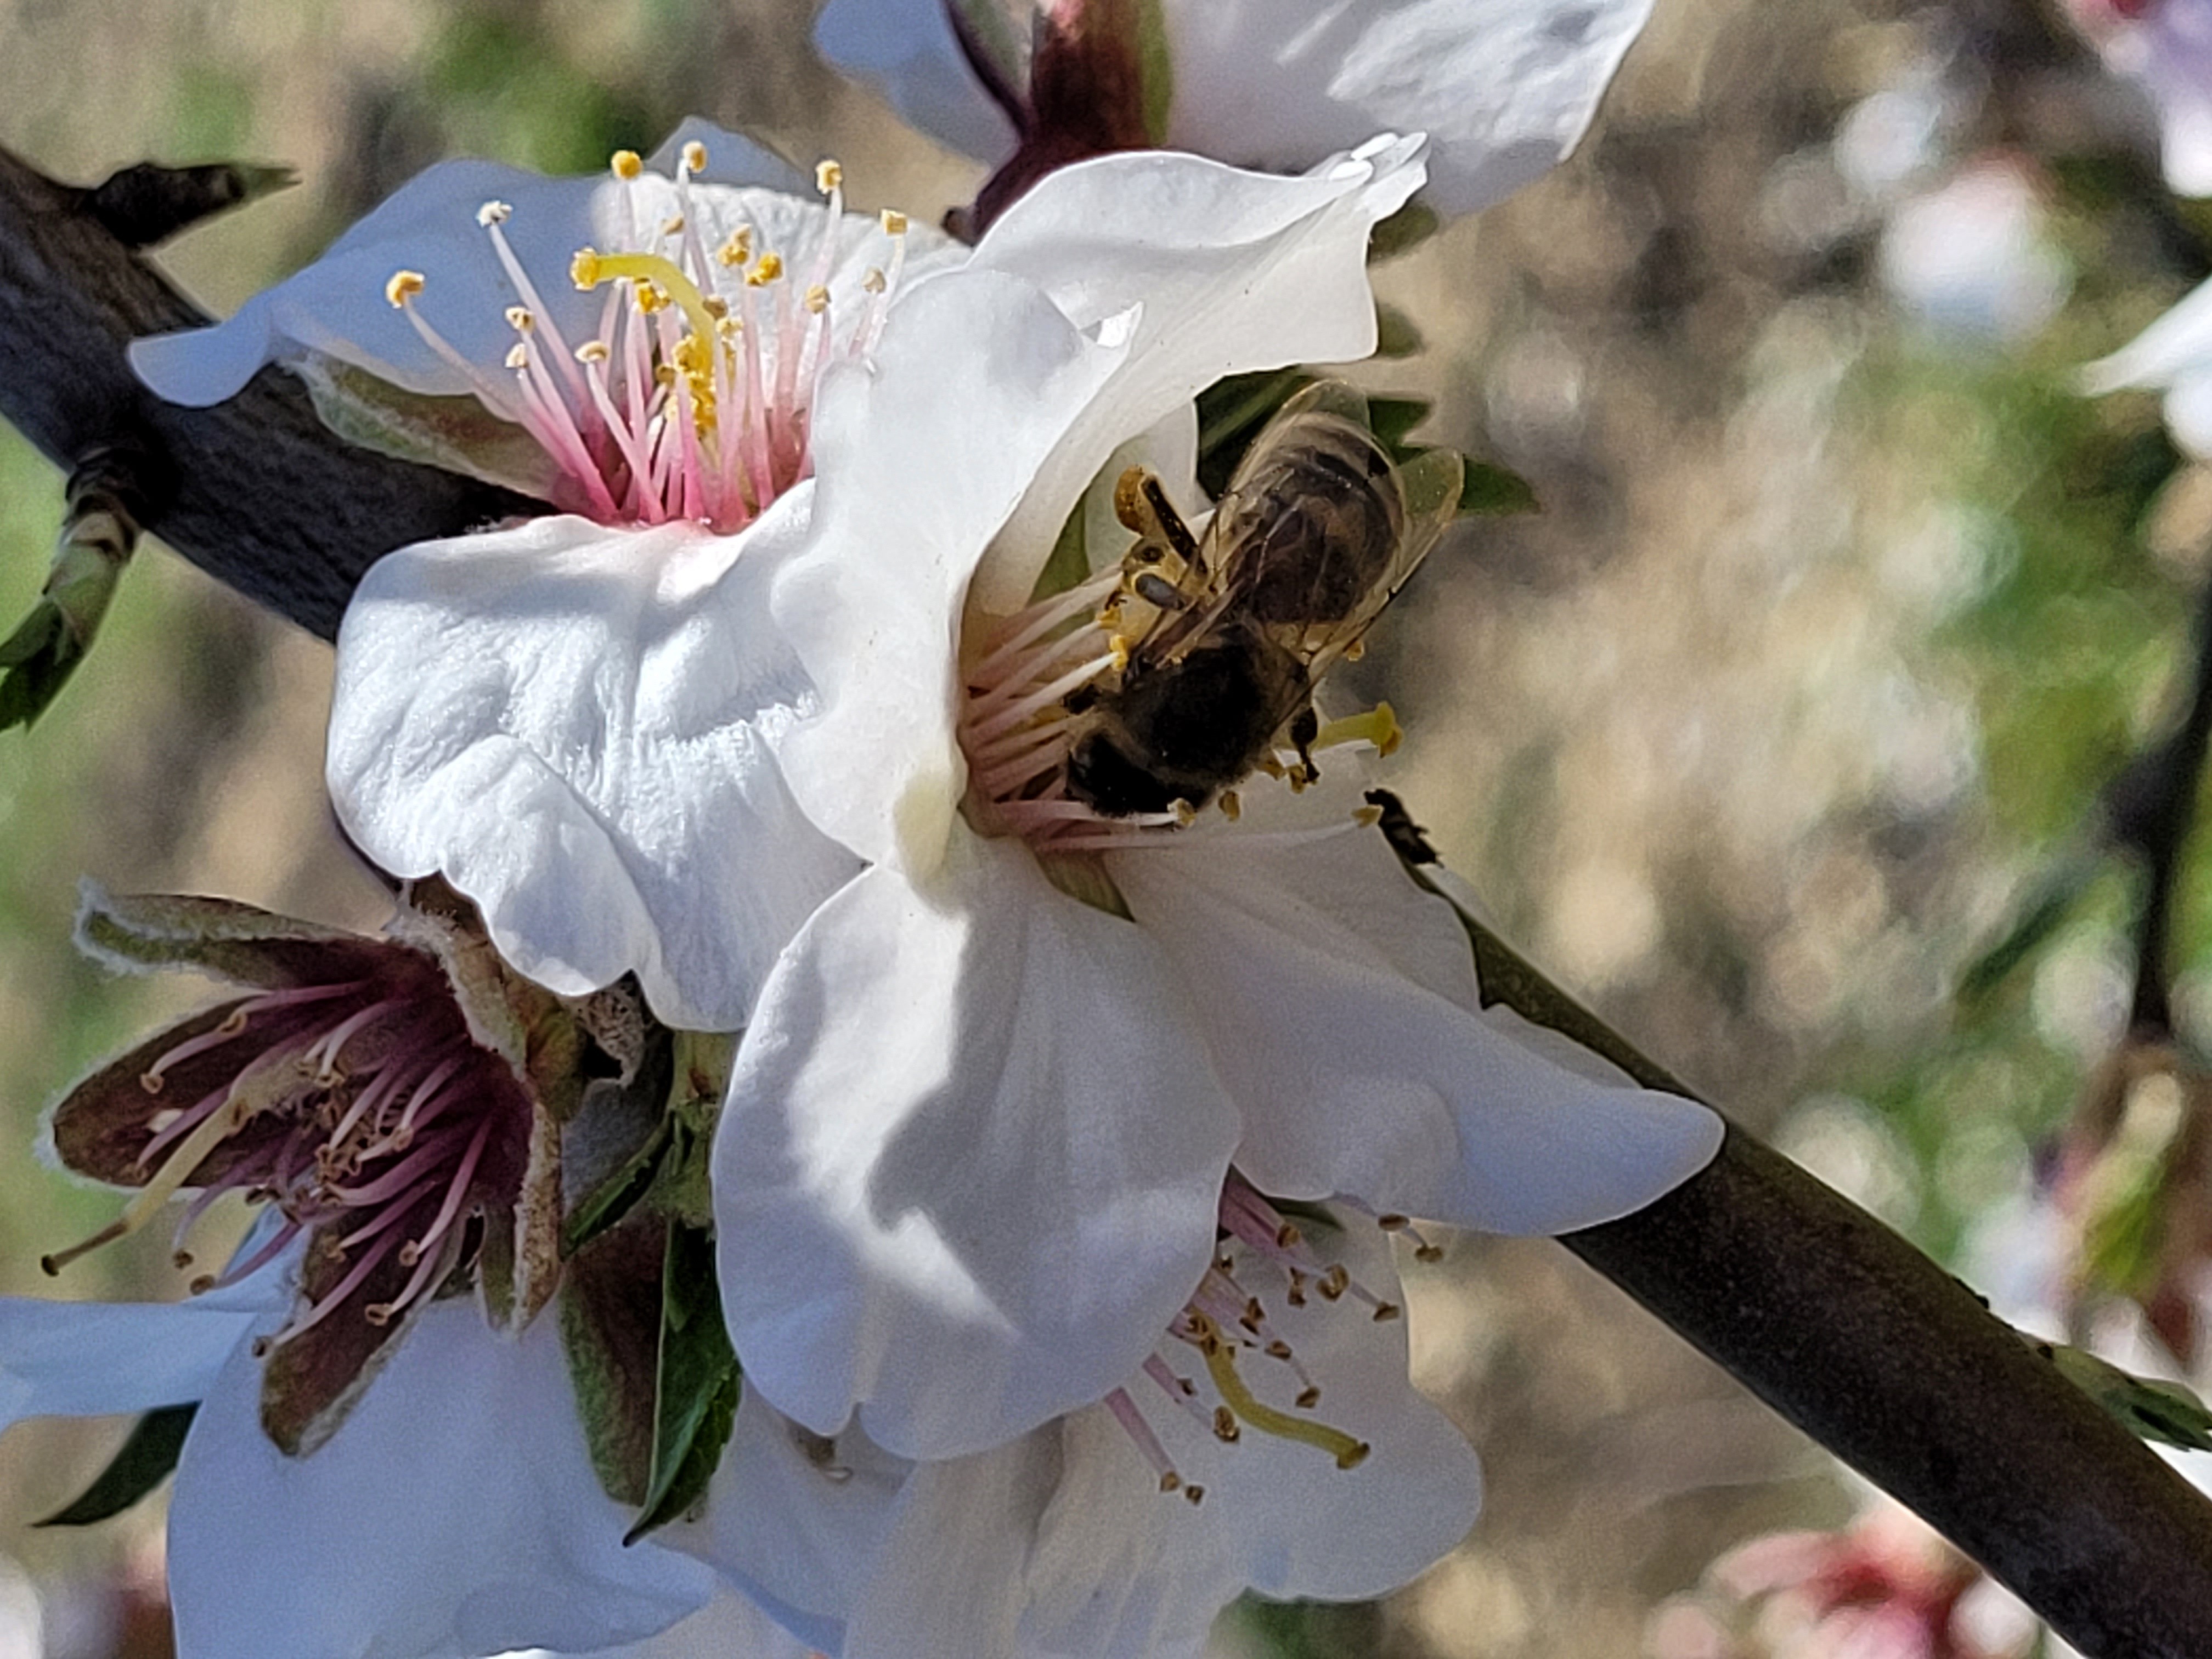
x: 738, y: 249
x: 828, y: 176
x: 817, y: 300
x: 894, y: 222
x: 770, y: 267
x: 494, y: 213
x: 626, y: 164
x: 650, y: 298
x: 695, y: 156
x: 673, y: 226
x: 404, y: 286
x: 520, y: 319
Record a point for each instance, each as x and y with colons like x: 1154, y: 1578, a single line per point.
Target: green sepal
x: 614, y: 1198
x: 696, y: 1384
x: 2166, y: 1412
x: 147, y: 1458
x: 454, y: 434
x: 1489, y: 489
x: 1231, y: 413
x: 1392, y: 420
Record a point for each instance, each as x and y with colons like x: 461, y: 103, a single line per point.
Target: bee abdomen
x: 1327, y: 519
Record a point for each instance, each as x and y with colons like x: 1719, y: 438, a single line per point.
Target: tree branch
x: 1834, y: 1320
x: 255, y: 492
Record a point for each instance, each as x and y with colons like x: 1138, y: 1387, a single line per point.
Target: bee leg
x: 1141, y: 503
x: 1305, y: 726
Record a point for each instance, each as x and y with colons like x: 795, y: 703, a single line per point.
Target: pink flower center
x: 692, y: 397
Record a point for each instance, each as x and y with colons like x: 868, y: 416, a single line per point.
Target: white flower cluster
x: 1050, y: 1231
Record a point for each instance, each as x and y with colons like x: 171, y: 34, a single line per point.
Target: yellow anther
x: 1185, y: 814
x: 626, y: 164
x: 652, y: 274
x: 1232, y: 807
x: 672, y: 225
x: 1429, y: 1253
x: 828, y: 176
x: 1378, y: 725
x: 520, y: 319
x: 1355, y: 651
x: 1309, y: 1397
x: 494, y: 213
x: 650, y: 298
x: 766, y: 270
x: 404, y: 286
x: 694, y: 157
x: 1336, y: 1282
x: 1387, y: 1311
x: 593, y: 351
x: 875, y: 281
x: 1224, y: 1427
x: 1391, y: 1222
x: 817, y: 300
x: 717, y: 306
x: 728, y: 328
x: 1170, y: 1481
x: 738, y: 249
x: 1287, y: 1237
x: 1367, y: 816
x: 201, y: 1284
x: 1194, y: 1494
x: 894, y: 222
x: 151, y: 1081
x: 518, y: 355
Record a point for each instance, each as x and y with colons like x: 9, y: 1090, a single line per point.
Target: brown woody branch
x: 1826, y: 1315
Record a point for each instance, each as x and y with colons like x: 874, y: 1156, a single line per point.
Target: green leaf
x: 1489, y: 487
x: 1230, y: 413
x: 1392, y: 420
x: 2166, y: 1412
x: 1403, y: 231
x: 146, y: 1460
x: 697, y: 1387
x: 620, y: 1192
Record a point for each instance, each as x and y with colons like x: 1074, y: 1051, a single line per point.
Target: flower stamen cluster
x: 692, y: 397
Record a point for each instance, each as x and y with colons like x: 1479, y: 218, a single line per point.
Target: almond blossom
x: 388, y: 1456
x: 1505, y: 89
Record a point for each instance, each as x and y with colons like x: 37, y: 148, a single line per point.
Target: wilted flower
x: 1505, y: 89
x: 373, y: 1468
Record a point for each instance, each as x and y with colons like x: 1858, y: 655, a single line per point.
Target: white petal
x: 918, y: 465
x: 336, y: 305
x: 88, y: 1358
x: 578, y: 725
x: 970, y: 1161
x: 1505, y: 89
x: 1323, y: 979
x: 455, y: 1514
x: 906, y: 50
x: 1121, y: 1569
x: 1215, y: 271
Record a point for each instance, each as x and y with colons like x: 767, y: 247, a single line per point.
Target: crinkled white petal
x: 1218, y: 271
x: 90, y: 1359
x: 971, y: 1160
x: 1120, y: 1570
x: 2174, y: 355
x: 336, y: 305
x: 578, y: 725
x: 1505, y: 89
x: 906, y: 50
x: 920, y: 460
x: 1339, y: 1003
x: 455, y: 1514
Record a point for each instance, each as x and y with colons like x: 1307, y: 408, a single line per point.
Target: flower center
x: 693, y: 396
x: 364, y: 1107
x: 1262, y: 1256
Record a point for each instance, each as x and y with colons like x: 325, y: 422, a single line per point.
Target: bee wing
x: 1429, y: 486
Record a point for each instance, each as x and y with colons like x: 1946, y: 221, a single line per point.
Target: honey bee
x: 1318, y: 529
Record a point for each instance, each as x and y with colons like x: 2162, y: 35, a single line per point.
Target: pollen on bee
x: 626, y: 164
x: 404, y: 286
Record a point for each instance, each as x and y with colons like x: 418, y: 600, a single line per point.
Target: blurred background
x: 1786, y: 732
